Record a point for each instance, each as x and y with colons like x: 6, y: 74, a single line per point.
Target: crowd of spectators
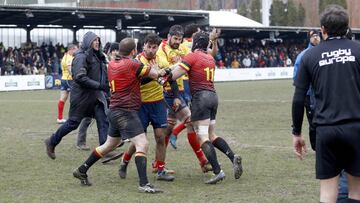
x: 233, y: 53
x: 31, y: 59
x: 251, y: 53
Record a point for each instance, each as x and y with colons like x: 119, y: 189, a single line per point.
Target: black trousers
x: 312, y: 127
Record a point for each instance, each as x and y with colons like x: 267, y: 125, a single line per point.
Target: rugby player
x: 125, y: 75
x: 190, y: 31
x: 200, y: 66
x: 169, y: 53
x: 153, y: 110
x: 66, y: 80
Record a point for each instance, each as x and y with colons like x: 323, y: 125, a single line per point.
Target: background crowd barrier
x: 37, y: 82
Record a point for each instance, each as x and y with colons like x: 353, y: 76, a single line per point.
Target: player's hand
x: 176, y: 104
x: 154, y: 65
x: 299, y: 146
x: 176, y: 59
x: 161, y: 72
x: 214, y: 34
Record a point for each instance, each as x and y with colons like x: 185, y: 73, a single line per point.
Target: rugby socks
x: 210, y: 153
x: 60, y: 109
x: 195, y: 145
x: 178, y: 129
x: 353, y: 201
x: 222, y: 145
x: 126, y: 157
x: 140, y: 161
x: 93, y: 158
x: 160, y: 165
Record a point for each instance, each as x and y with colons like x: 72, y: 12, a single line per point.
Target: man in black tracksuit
x: 333, y: 70
x: 89, y: 93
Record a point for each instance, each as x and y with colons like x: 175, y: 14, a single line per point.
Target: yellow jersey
x: 66, y: 66
x: 167, y: 57
x: 151, y: 91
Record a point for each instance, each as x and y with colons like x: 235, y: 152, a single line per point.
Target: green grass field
x: 254, y: 117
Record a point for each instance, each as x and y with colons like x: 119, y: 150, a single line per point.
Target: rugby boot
x: 123, y: 169
x: 50, y: 150
x: 84, y: 180
x: 164, y: 176
x: 217, y: 177
x: 237, y: 166
x: 149, y: 188
x: 206, y: 167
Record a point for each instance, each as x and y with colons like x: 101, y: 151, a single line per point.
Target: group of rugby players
x: 157, y: 87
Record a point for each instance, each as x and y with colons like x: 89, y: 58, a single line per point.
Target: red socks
x: 194, y: 143
x: 60, y: 109
x: 178, y: 129
x: 126, y: 157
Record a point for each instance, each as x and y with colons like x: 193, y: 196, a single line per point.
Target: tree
x: 324, y: 3
x: 286, y: 14
x: 242, y: 10
x: 301, y: 15
x: 292, y: 14
x: 255, y: 10
x: 278, y: 13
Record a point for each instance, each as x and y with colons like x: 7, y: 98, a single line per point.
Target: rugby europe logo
x: 337, y: 56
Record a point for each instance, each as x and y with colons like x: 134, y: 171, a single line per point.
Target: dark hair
x: 126, y: 46
x: 200, y: 41
x: 335, y: 20
x: 190, y: 29
x: 176, y: 30
x: 107, y: 47
x: 152, y: 38
x: 114, y: 46
x: 312, y: 32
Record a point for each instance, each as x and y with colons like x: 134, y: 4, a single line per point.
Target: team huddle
x: 154, y: 87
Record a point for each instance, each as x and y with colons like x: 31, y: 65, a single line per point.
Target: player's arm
x: 79, y: 73
x: 149, y: 71
x: 213, y: 47
x: 301, y: 83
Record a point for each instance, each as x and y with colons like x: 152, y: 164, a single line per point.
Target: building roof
x: 229, y: 19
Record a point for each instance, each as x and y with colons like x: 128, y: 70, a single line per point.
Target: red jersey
x: 200, y: 67
x: 124, y: 77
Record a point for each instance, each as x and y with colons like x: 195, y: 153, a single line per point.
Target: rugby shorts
x: 204, y: 105
x: 124, y: 124
x: 154, y: 113
x: 337, y: 148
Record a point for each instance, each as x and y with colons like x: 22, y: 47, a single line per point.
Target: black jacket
x: 90, y: 77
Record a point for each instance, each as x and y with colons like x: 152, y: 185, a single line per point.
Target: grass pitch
x: 254, y: 117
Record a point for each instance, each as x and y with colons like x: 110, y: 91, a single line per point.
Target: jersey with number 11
x: 200, y: 67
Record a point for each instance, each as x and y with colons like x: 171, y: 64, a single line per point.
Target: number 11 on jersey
x: 209, y: 74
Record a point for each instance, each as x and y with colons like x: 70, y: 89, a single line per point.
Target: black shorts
x: 337, y: 148
x: 124, y: 124
x: 204, y: 105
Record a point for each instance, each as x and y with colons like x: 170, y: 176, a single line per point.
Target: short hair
x: 71, y: 46
x: 152, y: 38
x: 126, y: 46
x: 312, y: 32
x: 190, y: 29
x: 335, y: 20
x: 200, y: 41
x: 114, y: 46
x: 176, y: 30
